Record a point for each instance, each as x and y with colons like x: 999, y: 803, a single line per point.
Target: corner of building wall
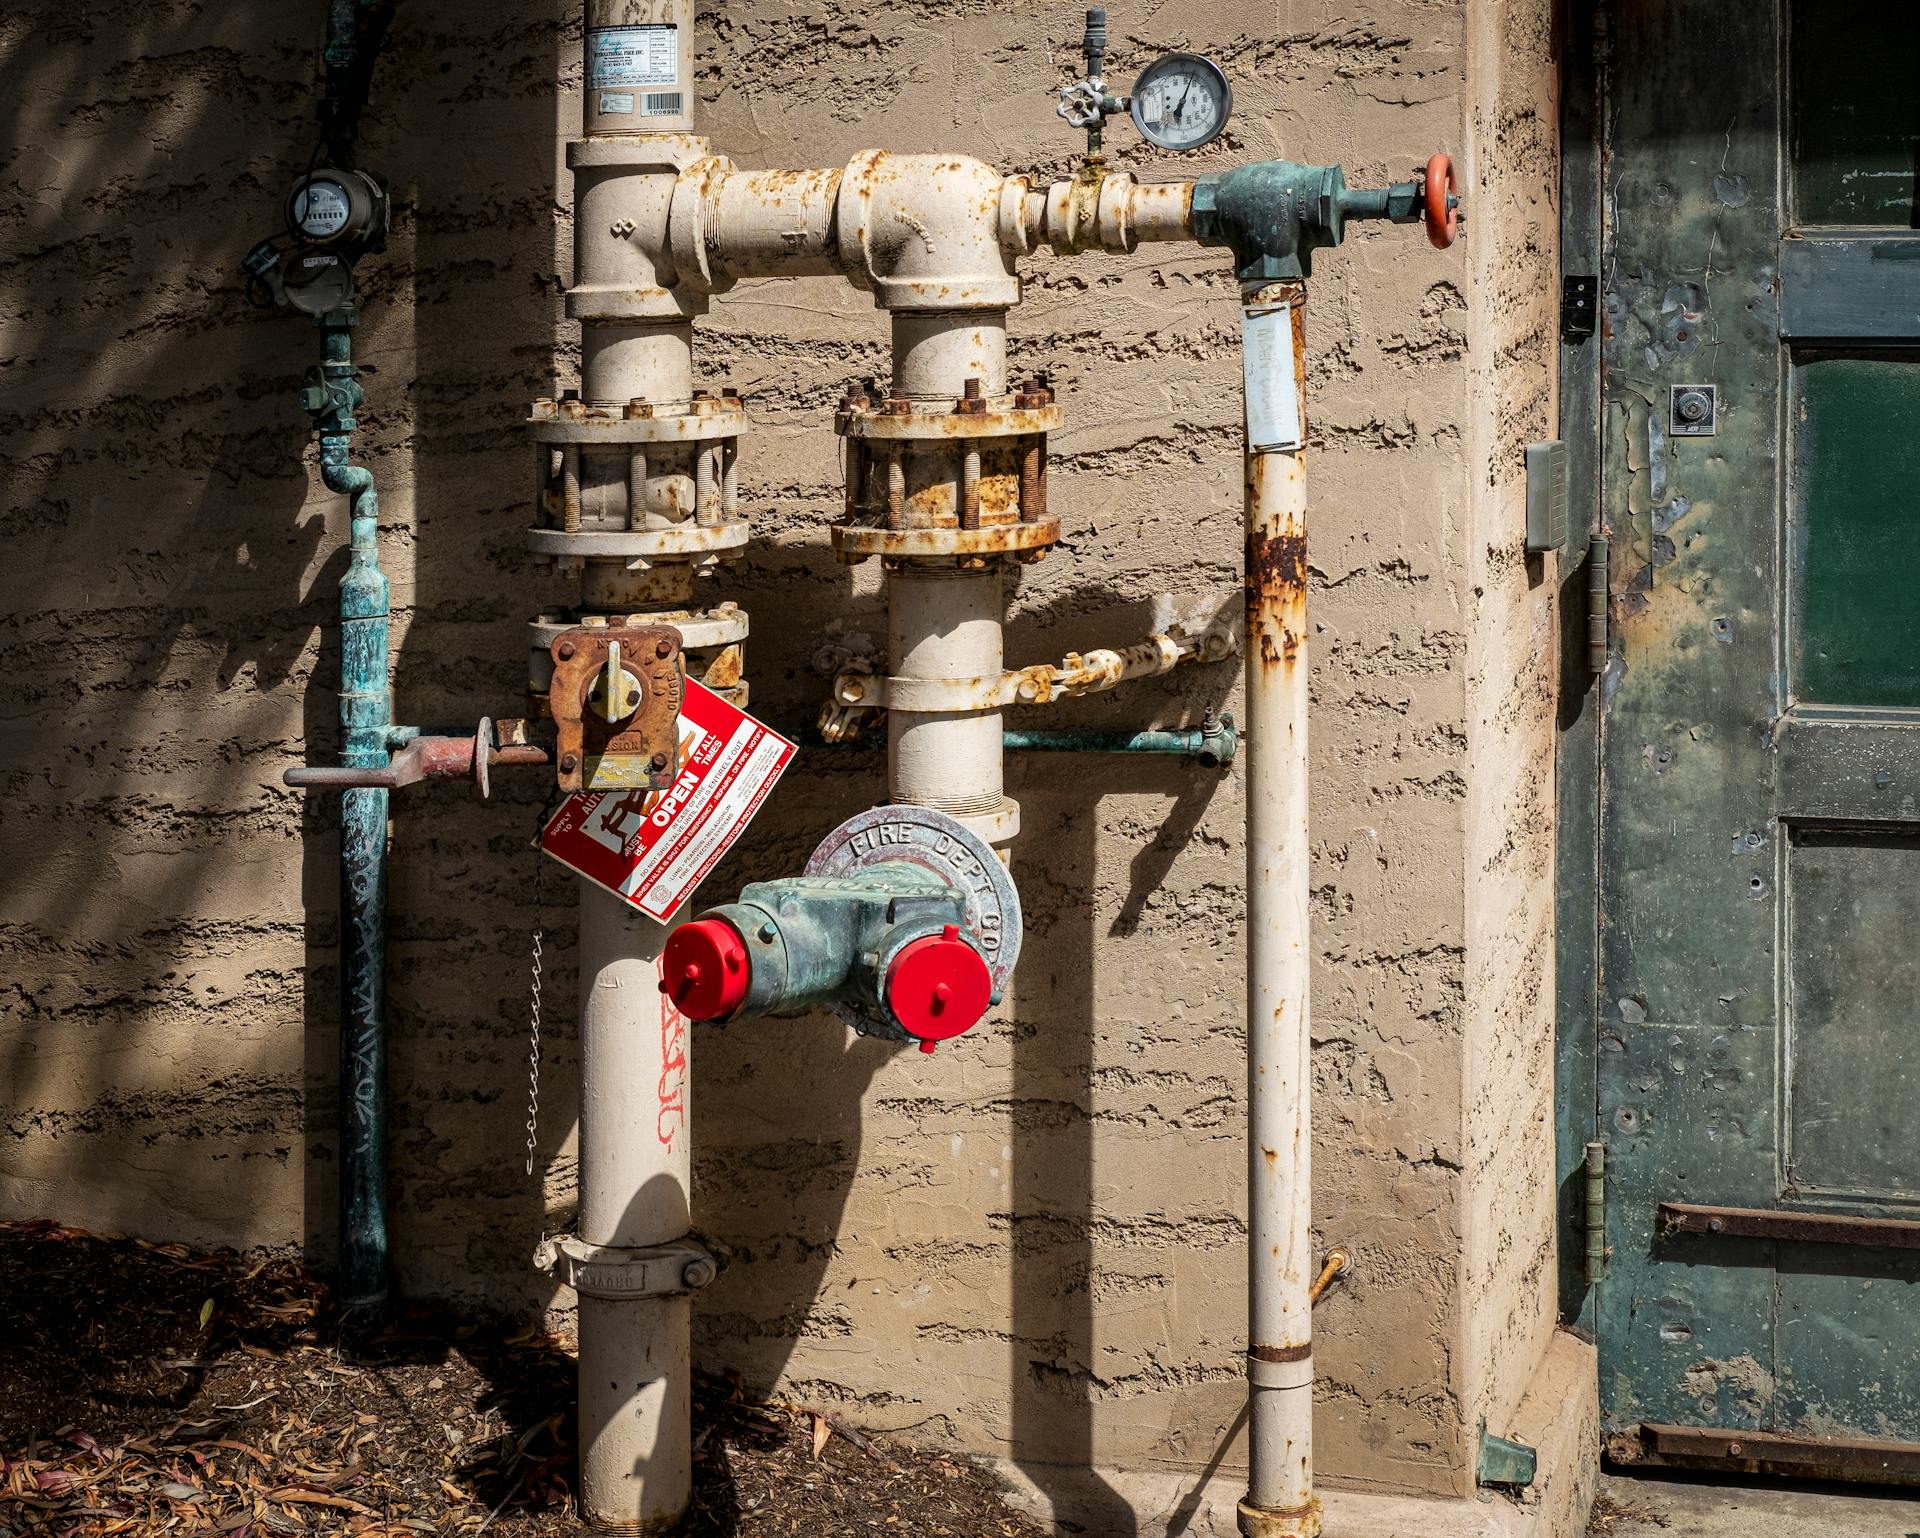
x: 1507, y: 1283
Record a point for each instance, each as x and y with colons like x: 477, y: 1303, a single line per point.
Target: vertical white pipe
x: 936, y: 353
x: 1280, y: 1234
x: 943, y: 622
x: 636, y: 1451
x: 635, y: 1380
x: 946, y: 624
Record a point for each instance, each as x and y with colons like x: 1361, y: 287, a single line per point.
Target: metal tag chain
x: 533, y: 1056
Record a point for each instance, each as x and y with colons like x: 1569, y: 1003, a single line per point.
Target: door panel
x: 1854, y: 1004
x: 1855, y: 530
x: 1856, y: 128
x: 1758, y: 972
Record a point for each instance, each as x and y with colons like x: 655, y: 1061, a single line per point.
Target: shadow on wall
x: 790, y: 1112
x: 168, y: 909
x: 170, y: 646
x: 166, y: 584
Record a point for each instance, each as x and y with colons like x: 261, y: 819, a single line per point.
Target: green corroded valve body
x: 1274, y: 214
x: 904, y: 924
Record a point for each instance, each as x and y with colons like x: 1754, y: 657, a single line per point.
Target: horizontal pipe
x: 1215, y: 747
x: 423, y: 758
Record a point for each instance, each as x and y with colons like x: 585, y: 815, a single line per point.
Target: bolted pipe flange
x: 643, y: 468
x: 959, y: 482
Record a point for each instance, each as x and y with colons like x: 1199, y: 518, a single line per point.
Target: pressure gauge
x: 1181, y: 102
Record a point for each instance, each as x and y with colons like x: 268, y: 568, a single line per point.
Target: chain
x: 533, y: 1001
x: 533, y: 1056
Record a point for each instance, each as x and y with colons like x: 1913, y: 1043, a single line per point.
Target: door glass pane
x: 1856, y: 532
x: 1856, y: 112
x: 1853, y: 909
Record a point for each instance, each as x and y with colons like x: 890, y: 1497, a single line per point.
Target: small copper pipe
x: 1339, y: 1263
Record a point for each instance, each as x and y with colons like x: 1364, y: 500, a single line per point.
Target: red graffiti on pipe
x: 673, y: 1073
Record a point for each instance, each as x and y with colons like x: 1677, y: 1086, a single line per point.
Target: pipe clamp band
x: 602, y: 1271
x: 1280, y: 1375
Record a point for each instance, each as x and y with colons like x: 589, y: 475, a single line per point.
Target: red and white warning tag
x: 653, y: 847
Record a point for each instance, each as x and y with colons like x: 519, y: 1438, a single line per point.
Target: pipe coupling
x: 1299, y: 1522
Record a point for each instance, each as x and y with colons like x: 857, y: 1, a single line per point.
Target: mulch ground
x: 149, y: 1388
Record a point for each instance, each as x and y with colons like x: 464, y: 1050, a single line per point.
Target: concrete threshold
x: 1559, y: 1417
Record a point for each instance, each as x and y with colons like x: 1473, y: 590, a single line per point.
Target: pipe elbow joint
x: 924, y: 232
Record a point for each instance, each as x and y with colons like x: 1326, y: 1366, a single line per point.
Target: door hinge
x: 1595, y: 1170
x: 1598, y: 637
x: 1579, y: 296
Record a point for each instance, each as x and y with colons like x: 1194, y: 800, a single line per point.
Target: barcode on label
x: 663, y: 104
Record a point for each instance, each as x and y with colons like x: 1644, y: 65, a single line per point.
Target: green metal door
x: 1757, y: 1062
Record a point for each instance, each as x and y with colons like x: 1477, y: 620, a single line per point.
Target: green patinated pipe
x: 1214, y: 746
x: 366, y: 717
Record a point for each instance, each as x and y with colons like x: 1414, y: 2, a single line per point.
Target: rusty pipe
x: 1280, y: 1502
x: 1339, y: 1263
x: 423, y: 759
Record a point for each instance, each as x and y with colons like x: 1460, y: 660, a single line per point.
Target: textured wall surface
x: 1031, y: 1242
x: 1507, y: 1275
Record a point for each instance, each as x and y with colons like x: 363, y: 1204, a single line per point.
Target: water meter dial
x: 337, y: 208
x: 1181, y: 102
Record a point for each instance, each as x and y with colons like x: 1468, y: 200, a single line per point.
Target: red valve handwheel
x: 705, y: 969
x: 939, y: 987
x: 1443, y: 207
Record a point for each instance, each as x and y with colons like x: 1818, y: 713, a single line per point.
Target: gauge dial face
x: 1181, y: 102
x: 320, y: 209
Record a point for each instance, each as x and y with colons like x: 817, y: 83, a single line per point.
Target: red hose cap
x: 705, y: 969
x: 939, y: 986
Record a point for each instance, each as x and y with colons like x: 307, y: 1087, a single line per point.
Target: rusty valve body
x: 615, y: 702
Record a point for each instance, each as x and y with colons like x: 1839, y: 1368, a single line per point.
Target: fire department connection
x: 906, y: 921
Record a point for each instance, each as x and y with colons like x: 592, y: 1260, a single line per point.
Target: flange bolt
x: 698, y: 1273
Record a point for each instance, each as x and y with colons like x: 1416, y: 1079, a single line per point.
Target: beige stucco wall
x: 1031, y: 1242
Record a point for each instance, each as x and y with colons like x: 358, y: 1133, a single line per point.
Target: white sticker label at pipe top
x: 1273, y: 388
x: 619, y: 58
x: 653, y: 847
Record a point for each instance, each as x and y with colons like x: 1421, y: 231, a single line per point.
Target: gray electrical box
x: 1546, y: 497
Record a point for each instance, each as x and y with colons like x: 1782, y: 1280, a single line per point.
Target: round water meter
x: 320, y: 209
x: 1181, y: 102
x: 328, y: 207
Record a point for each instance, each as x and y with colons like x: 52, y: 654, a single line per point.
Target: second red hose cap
x: 939, y: 987
x: 705, y: 969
